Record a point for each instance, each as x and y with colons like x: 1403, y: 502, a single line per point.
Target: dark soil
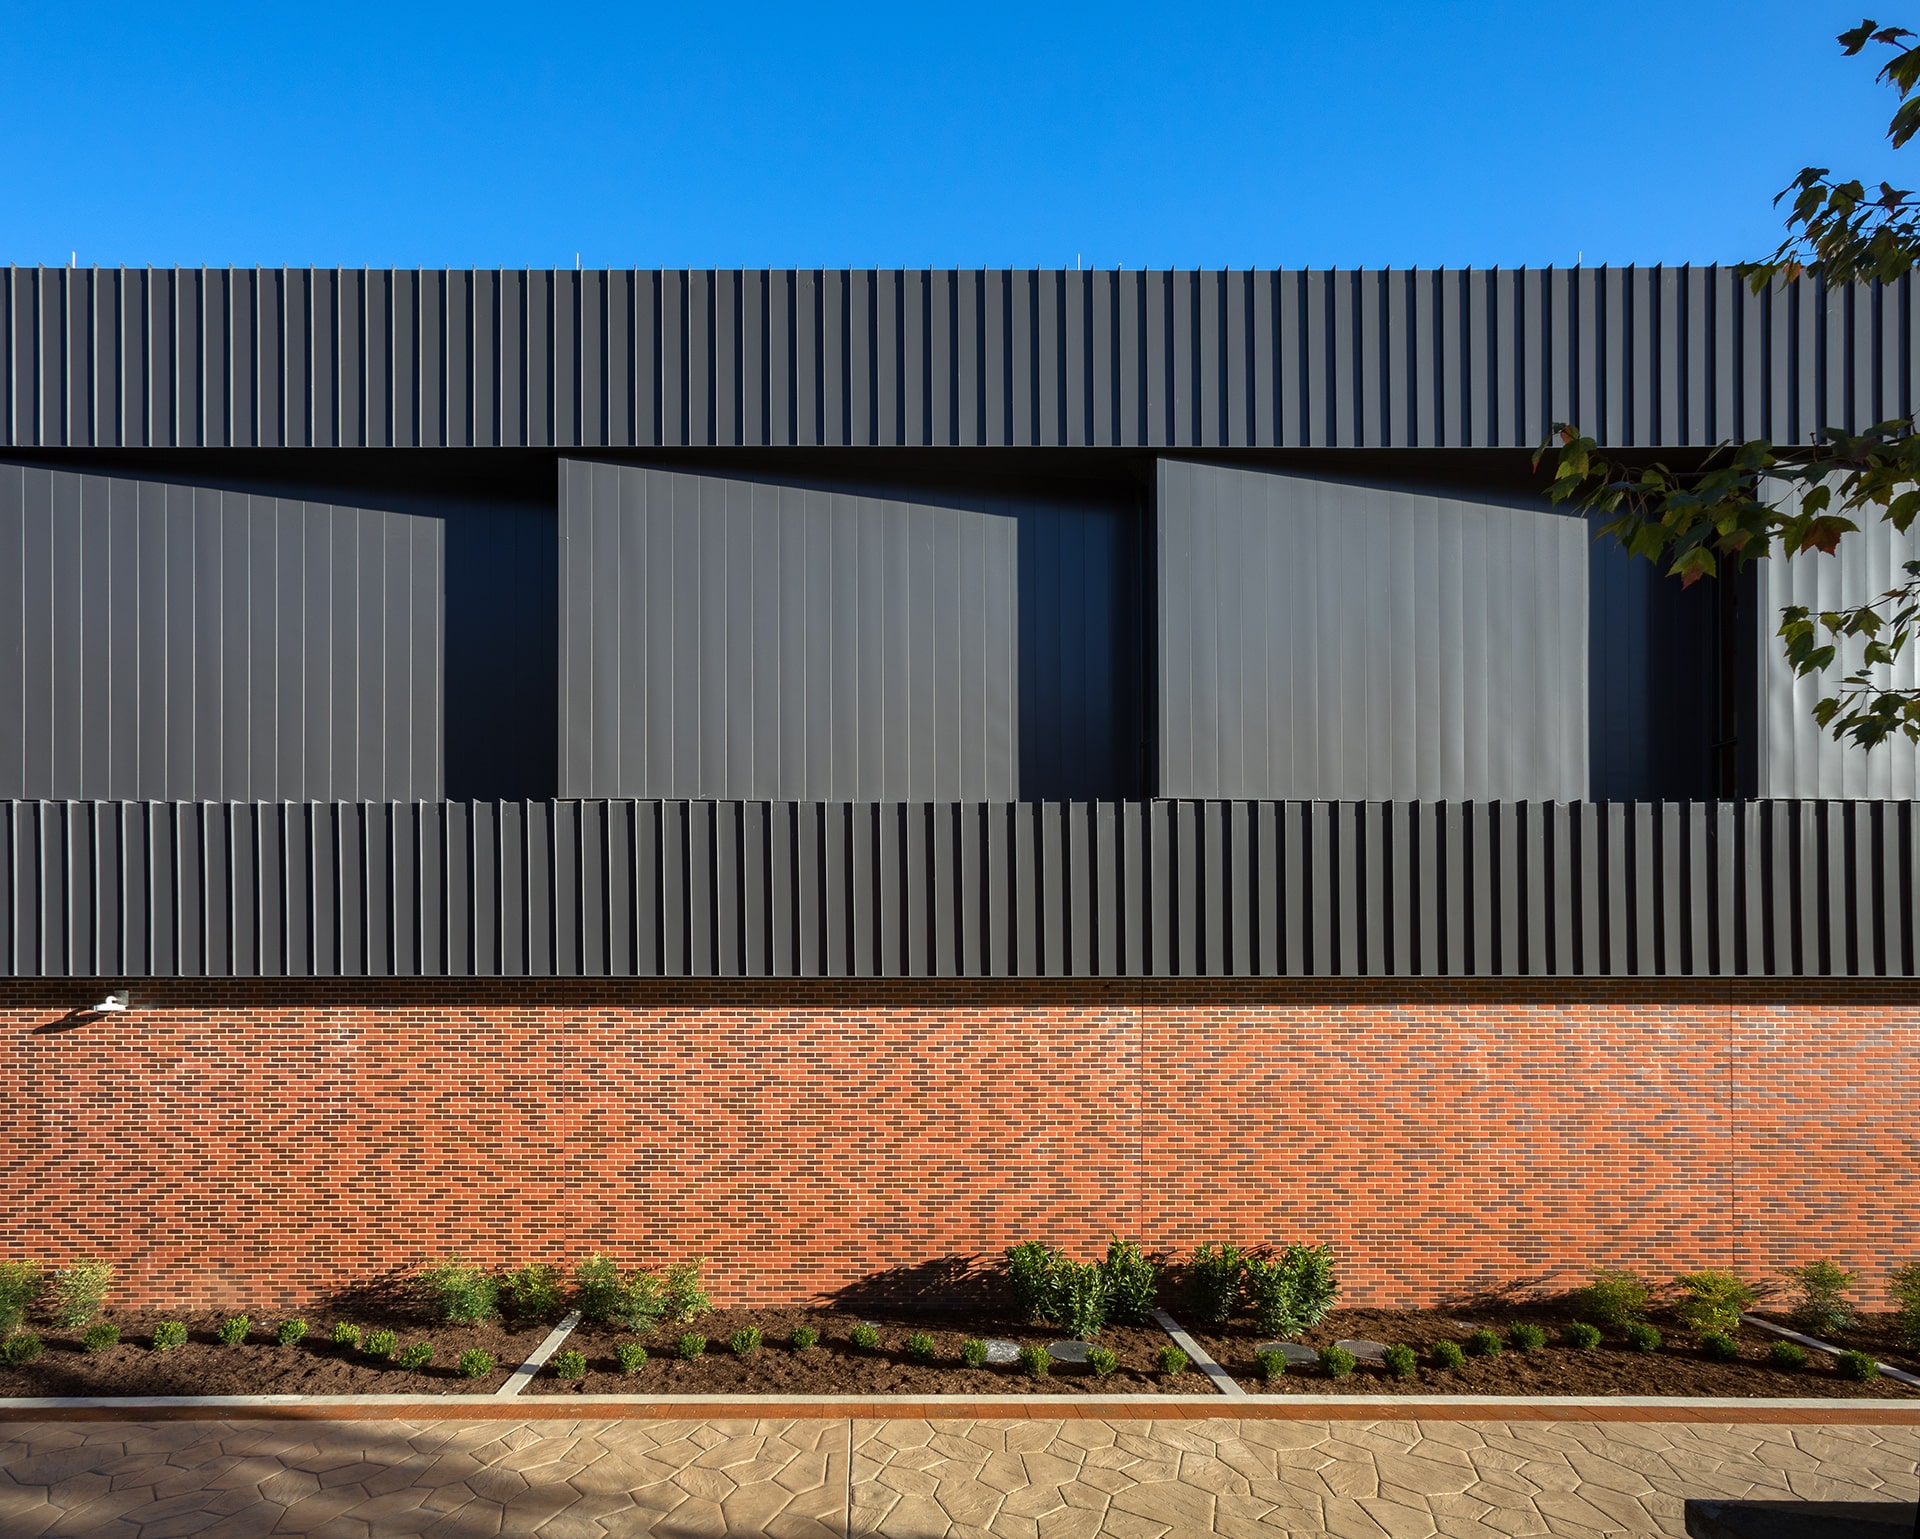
x: 836, y: 1367
x: 1612, y: 1368
x: 258, y: 1366
x: 1879, y: 1334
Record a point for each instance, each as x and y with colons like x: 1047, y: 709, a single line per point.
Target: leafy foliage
x: 1718, y: 1345
x: 345, y: 1334
x: 1079, y: 1298
x: 99, y: 1337
x: 1291, y: 1292
x: 1581, y: 1336
x: 1029, y: 1272
x: 1903, y: 1288
x: 464, y: 1294
x: 1820, y: 1288
x: 19, y: 1286
x: 1171, y: 1361
x: 921, y: 1348
x: 1401, y: 1361
x: 1712, y: 1300
x: 1337, y: 1362
x: 1857, y: 1365
x: 1787, y: 1354
x: 631, y: 1356
x: 1614, y: 1298
x: 233, y: 1330
x: 803, y: 1336
x: 78, y: 1289
x: 533, y: 1292
x: 1214, y: 1275
x: 632, y: 1299
x: 1643, y: 1337
x: 571, y: 1364
x: 1270, y: 1365
x: 1133, y: 1282
x: 690, y: 1345
x: 380, y: 1344
x: 416, y: 1356
x: 863, y: 1337
x: 973, y: 1352
x: 1484, y: 1343
x: 169, y: 1334
x: 291, y: 1333
x: 1104, y: 1362
x: 475, y: 1364
x: 682, y: 1296
x: 18, y: 1351
x: 1036, y: 1361
x: 1526, y: 1337
x: 1446, y: 1354
x: 745, y: 1341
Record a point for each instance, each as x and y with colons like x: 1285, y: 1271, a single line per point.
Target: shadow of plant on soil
x: 393, y: 1298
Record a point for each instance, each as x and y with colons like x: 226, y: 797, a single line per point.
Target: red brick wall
x: 264, y: 1142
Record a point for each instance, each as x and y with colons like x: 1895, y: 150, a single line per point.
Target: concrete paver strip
x: 916, y: 1477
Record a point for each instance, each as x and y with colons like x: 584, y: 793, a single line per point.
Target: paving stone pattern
x: 908, y: 1479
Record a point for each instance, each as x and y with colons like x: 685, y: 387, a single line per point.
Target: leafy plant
x: 18, y: 1351
x: 169, y: 1334
x: 571, y: 1364
x: 1401, y: 1361
x: 78, y: 1290
x: 1270, y: 1365
x: 1484, y: 1343
x: 1446, y: 1354
x: 1712, y: 1301
x: 631, y: 1299
x: 631, y: 1356
x: 1036, y: 1360
x: 1857, y: 1365
x: 690, y: 1346
x: 1820, y: 1289
x: 1717, y: 1345
x: 1581, y: 1336
x: 464, y: 1294
x: 533, y: 1292
x: 863, y: 1337
x: 417, y: 1355
x: 1787, y: 1354
x: 1337, y: 1362
x: 1133, y: 1282
x: 1614, y: 1298
x: 345, y: 1334
x: 1526, y: 1337
x: 1903, y: 1287
x: 1103, y: 1361
x: 745, y: 1341
x: 233, y: 1330
x: 1291, y: 1292
x: 1080, y: 1298
x: 803, y: 1337
x: 1171, y: 1361
x: 1642, y: 1337
x: 683, y: 1298
x: 99, y: 1337
x: 475, y: 1364
x: 1214, y: 1274
x: 1029, y: 1272
x: 973, y: 1353
x: 380, y: 1345
x: 291, y: 1333
x: 19, y: 1286
x: 921, y: 1348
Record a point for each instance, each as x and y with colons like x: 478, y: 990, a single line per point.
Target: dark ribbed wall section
x: 304, y: 357
x: 183, y: 643
x: 786, y: 889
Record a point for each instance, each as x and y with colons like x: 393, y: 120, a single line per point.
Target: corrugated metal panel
x: 322, y: 357
x: 724, y: 637
x: 176, y: 642
x: 1326, y: 640
x: 837, y: 889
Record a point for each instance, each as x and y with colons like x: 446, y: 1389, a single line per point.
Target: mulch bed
x: 1612, y: 1368
x: 1877, y: 1333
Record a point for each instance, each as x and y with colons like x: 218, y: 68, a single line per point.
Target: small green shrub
x: 1581, y: 1336
x: 1337, y: 1362
x: 1036, y: 1361
x: 19, y: 1286
x: 1712, y: 1301
x: 464, y: 1294
x: 1270, y: 1365
x: 1401, y: 1361
x: 1903, y: 1288
x: 291, y: 1333
x: 1029, y: 1272
x: 1446, y: 1354
x: 1642, y: 1337
x: 380, y: 1345
x: 690, y: 1346
x: 683, y: 1298
x: 416, y: 1356
x: 1171, y: 1361
x: 1484, y: 1343
x: 233, y: 1330
x: 1614, y: 1298
x: 1857, y: 1365
x: 1103, y: 1361
x: 921, y: 1348
x: 631, y: 1356
x: 973, y: 1353
x: 863, y: 1337
x: 169, y: 1334
x: 1290, y: 1292
x: 745, y: 1341
x: 345, y: 1334
x: 1080, y: 1298
x: 533, y: 1292
x: 632, y: 1300
x: 78, y: 1290
x: 1787, y: 1354
x: 1717, y: 1345
x: 99, y: 1337
x: 1526, y: 1337
x: 1133, y: 1282
x: 18, y: 1351
x: 1214, y: 1276
x: 803, y: 1337
x: 1820, y: 1295
x: 475, y: 1364
x: 571, y: 1364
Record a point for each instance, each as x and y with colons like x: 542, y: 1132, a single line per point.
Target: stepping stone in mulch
x: 1296, y: 1355
x: 1001, y: 1353
x: 1067, y: 1351
x: 1366, y: 1351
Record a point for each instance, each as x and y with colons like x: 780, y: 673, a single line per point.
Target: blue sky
x: 1023, y: 135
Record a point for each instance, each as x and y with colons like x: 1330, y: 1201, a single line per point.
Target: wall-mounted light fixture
x: 113, y: 1003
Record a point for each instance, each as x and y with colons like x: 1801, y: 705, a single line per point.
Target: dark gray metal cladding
x: 183, y: 643
x: 837, y: 889
x: 296, y: 357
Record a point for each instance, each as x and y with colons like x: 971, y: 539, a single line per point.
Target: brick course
x: 264, y: 1142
